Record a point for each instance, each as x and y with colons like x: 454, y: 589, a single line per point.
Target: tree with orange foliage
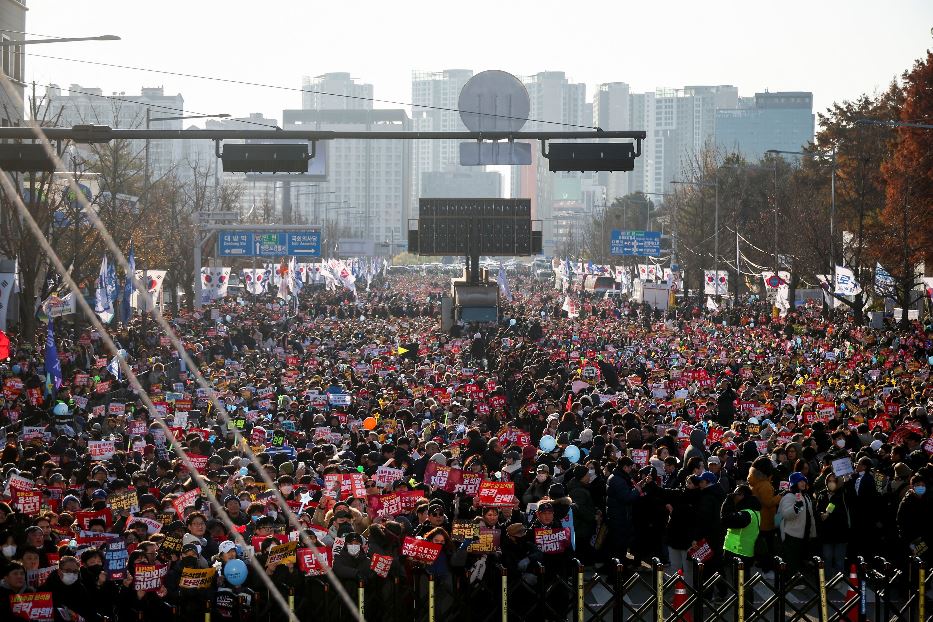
x: 903, y: 233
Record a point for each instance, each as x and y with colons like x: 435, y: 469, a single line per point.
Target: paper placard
x: 197, y: 578
x: 420, y: 550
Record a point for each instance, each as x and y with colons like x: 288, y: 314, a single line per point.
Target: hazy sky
x: 836, y: 49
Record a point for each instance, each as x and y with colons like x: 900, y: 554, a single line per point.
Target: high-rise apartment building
x: 612, y: 111
x: 367, y: 189
x: 83, y: 105
x: 434, y: 98
x: 782, y: 121
x: 335, y: 91
x: 556, y: 104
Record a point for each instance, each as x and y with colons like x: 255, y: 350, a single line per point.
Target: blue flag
x: 128, y: 288
x: 103, y: 304
x: 503, y: 284
x: 53, y: 367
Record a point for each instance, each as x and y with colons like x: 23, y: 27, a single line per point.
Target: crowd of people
x: 395, y: 450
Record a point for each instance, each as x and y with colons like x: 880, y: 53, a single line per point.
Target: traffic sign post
x: 244, y: 243
x: 635, y: 243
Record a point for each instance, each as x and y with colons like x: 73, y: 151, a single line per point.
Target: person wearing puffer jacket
x: 798, y: 523
x: 759, y: 479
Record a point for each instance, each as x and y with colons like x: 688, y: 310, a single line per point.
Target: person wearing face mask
x: 834, y: 521
x: 866, y: 506
x: 584, y: 512
x: 351, y: 565
x: 67, y: 591
x: 235, y: 512
x: 539, y: 486
x: 913, y: 520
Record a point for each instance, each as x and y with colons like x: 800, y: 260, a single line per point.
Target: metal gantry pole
x: 716, y: 241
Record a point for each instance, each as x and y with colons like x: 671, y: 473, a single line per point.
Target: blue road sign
x: 635, y: 243
x: 272, y: 244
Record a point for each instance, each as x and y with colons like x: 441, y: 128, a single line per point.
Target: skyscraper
x: 782, y: 121
x: 556, y: 104
x: 335, y: 91
x: 434, y: 97
x: 83, y: 105
x: 612, y: 105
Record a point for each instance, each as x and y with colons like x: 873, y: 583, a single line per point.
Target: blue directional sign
x: 272, y: 244
x: 635, y: 243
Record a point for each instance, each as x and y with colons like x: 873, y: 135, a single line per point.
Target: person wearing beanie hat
x: 834, y: 520
x: 539, y: 485
x: 798, y: 522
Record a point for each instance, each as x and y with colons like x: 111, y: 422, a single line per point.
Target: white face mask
x: 592, y: 474
x: 353, y: 549
x: 9, y: 551
x: 69, y: 578
x: 244, y: 504
x: 841, y: 442
x: 287, y: 490
x: 557, y: 471
x: 541, y: 477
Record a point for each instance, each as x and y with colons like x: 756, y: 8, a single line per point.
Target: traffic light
x: 591, y: 157
x: 264, y: 158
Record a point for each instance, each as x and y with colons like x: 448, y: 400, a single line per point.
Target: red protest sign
x: 28, y: 502
x: 315, y: 563
x: 443, y: 477
x: 199, y: 462
x: 381, y: 565
x: 470, y: 485
x: 84, y: 518
x: 34, y: 606
x: 420, y: 550
x: 185, y: 500
x: 552, y: 540
x: 496, y: 494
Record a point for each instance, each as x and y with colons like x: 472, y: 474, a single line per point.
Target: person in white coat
x: 798, y: 523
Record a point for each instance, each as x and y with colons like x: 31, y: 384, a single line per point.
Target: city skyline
x: 850, y: 63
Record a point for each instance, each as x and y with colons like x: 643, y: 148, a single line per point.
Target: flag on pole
x: 128, y: 287
x: 294, y: 282
x: 103, y: 304
x: 845, y: 283
x: 884, y: 282
x: 503, y: 284
x: 53, y: 367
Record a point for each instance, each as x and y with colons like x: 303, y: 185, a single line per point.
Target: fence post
x: 698, y: 579
x: 740, y: 590
x: 659, y: 588
x: 780, y: 587
x: 618, y: 605
x: 361, y: 599
x: 430, y: 598
x: 291, y: 602
x: 207, y: 610
x: 505, y: 594
x: 921, y: 589
x: 579, y: 591
x: 824, y: 605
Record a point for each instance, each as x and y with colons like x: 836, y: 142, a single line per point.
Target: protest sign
x: 386, y: 475
x: 282, y: 554
x: 552, y: 541
x: 842, y: 467
x: 314, y: 563
x: 464, y: 530
x: 496, y: 494
x: 149, y: 578
x: 185, y: 500
x: 442, y: 477
x: 197, y: 578
x: 420, y: 550
x: 171, y: 545
x: 381, y: 565
x: 488, y: 541
x: 28, y: 502
x: 83, y: 518
x: 38, y: 577
x: 34, y: 606
x: 116, y: 557
x: 127, y: 501
x: 101, y: 450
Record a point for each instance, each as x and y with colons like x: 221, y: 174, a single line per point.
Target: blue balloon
x: 17, y: 368
x: 547, y: 443
x: 61, y: 409
x: 235, y: 572
x: 572, y: 453
x: 244, y: 471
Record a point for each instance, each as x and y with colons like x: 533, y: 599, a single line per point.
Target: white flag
x: 255, y: 280
x: 715, y: 285
x: 711, y: 304
x: 214, y: 282
x: 828, y: 298
x: 152, y: 280
x: 503, y: 284
x: 102, y: 304
x: 845, y: 283
x: 571, y: 308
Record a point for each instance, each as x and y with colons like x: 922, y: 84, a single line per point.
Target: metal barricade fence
x: 866, y: 591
